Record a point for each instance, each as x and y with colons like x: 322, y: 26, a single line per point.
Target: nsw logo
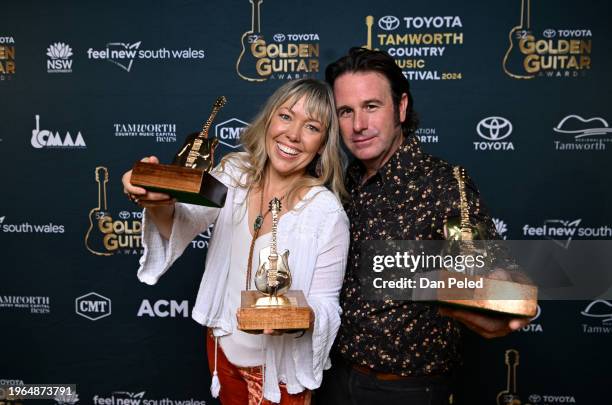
x: 388, y: 22
x: 494, y: 130
x: 500, y: 227
x: 93, y: 306
x: 59, y: 60
x: 228, y: 132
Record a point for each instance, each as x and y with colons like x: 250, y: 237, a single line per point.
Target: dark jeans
x: 343, y: 385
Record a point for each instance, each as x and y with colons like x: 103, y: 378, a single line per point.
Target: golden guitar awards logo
x: 559, y: 53
x: 424, y: 47
x: 105, y: 236
x: 7, y: 57
x: 282, y: 56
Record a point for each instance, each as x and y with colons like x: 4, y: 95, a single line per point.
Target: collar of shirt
x: 405, y: 160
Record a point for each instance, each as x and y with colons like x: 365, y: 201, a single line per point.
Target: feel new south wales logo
x: 281, y: 56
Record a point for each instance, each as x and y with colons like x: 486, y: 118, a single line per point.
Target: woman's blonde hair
x: 319, y: 105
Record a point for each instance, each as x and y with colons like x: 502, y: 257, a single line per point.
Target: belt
x: 381, y: 376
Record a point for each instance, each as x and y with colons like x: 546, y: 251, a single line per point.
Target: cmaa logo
x: 59, y: 60
x: 164, y: 309
x: 45, y: 138
x: 93, y: 306
x: 493, y: 130
x: 388, y: 22
x: 500, y: 227
x: 228, y: 132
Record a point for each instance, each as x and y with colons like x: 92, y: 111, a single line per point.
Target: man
x: 394, y: 352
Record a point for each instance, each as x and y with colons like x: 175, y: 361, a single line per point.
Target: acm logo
x: 93, y: 306
x: 164, y: 309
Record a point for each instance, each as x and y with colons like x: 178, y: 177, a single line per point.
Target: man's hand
x: 488, y: 326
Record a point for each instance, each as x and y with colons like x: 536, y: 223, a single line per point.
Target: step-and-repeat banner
x: 516, y: 91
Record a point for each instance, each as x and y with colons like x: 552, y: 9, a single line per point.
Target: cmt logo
x: 93, y: 306
x: 228, y: 132
x: 164, y: 309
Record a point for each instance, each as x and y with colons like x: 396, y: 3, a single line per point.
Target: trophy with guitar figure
x: 187, y: 179
x: 273, y: 305
x: 496, y: 292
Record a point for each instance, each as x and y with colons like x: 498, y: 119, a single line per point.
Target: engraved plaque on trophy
x: 490, y: 292
x: 187, y: 179
x: 273, y: 305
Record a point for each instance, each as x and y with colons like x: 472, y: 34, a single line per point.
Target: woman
x: 293, y: 154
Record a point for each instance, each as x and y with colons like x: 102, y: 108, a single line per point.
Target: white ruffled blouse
x: 316, y: 233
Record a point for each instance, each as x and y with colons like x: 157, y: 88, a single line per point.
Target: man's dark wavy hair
x: 365, y: 60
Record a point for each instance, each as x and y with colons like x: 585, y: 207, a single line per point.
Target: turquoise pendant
x: 258, y: 222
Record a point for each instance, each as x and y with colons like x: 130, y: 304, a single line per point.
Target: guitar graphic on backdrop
x: 246, y: 66
x: 369, y: 20
x: 509, y: 396
x: 94, y: 241
x: 514, y: 59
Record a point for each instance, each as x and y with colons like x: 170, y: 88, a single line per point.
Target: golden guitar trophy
x: 495, y: 295
x: 273, y: 305
x: 188, y: 178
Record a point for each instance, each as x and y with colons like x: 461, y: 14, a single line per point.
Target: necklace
x: 257, y: 224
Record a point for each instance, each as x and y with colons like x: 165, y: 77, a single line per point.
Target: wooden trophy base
x: 187, y: 185
x: 487, y: 294
x: 255, y: 318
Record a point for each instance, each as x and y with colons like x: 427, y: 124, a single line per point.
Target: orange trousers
x: 243, y: 385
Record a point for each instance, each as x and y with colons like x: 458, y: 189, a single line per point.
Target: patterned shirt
x: 409, y: 198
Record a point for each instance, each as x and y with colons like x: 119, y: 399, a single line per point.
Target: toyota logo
x: 494, y: 128
x: 388, y: 23
x: 535, y: 398
x: 279, y: 37
x: 549, y: 33
x: 124, y: 215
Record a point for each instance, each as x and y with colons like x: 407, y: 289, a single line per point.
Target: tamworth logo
x: 123, y: 54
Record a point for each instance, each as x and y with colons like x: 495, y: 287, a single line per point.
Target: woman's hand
x: 159, y: 205
x: 142, y: 197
